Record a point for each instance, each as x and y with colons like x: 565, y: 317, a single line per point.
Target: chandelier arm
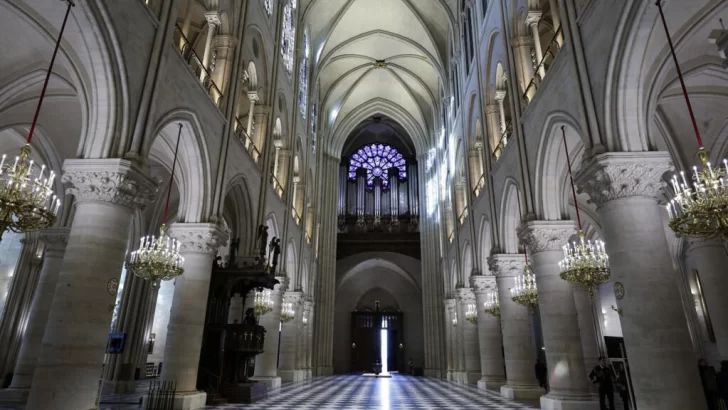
x: 171, y: 179
x: 680, y: 76
x: 50, y: 69
x: 571, y: 177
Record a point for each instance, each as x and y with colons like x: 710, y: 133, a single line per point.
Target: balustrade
x: 247, y: 141
x: 195, y: 64
x: 550, y: 53
x: 500, y: 148
x: 479, y: 186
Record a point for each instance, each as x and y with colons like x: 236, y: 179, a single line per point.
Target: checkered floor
x: 398, y: 393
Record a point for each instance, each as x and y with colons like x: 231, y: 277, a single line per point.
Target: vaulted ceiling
x: 378, y: 57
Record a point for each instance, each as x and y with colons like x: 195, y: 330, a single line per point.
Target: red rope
x: 680, y: 76
x: 571, y: 177
x: 171, y: 180
x: 50, y: 69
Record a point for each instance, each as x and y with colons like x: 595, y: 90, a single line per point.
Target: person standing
x: 541, y: 374
x: 623, y: 387
x: 722, y: 381
x: 603, y: 375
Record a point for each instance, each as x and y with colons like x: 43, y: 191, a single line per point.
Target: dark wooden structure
x: 366, y: 345
x: 228, y: 348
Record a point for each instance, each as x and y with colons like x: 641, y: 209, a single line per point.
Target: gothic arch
x: 510, y: 217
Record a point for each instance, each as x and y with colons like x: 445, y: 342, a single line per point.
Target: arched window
x: 377, y: 159
x: 268, y: 4
x: 288, y: 37
x: 484, y: 6
x: 314, y: 118
x: 303, y: 79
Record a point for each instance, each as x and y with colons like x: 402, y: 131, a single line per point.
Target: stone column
x: 490, y: 338
x: 710, y: 261
x: 493, y: 124
x: 450, y: 345
x: 624, y: 187
x: 532, y: 21
x: 522, y: 46
x: 288, y: 369
x: 308, y: 306
x: 570, y: 389
x: 516, y: 321
x: 224, y: 47
x: 68, y: 371
x: 500, y: 96
x: 469, y: 334
x: 591, y: 345
x: 266, y: 363
x: 556, y: 19
x: 199, y: 245
x: 260, y: 126
x: 55, y: 240
x: 253, y: 96
x: 284, y: 161
x: 213, y: 20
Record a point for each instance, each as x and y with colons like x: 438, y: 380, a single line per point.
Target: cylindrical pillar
x: 251, y: 117
x: 199, y: 245
x: 659, y: 350
x: 450, y: 329
x: 516, y: 321
x: 213, y: 20
x: 266, y: 363
x: 68, y: 372
x: 288, y: 367
x: 490, y: 338
x: 55, y: 240
x: 570, y: 388
x: 710, y: 261
x: 532, y: 21
x: 500, y: 96
x: 469, y: 334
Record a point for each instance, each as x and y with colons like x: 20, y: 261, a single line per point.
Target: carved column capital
x: 213, y: 18
x: 223, y: 41
x: 499, y: 96
x: 293, y: 297
x: 283, y: 285
x: 450, y: 305
x: 507, y: 265
x: 465, y: 295
x: 117, y: 181
x: 55, y: 239
x: 614, y: 175
x: 198, y: 237
x: 482, y: 285
x: 542, y: 236
x: 533, y: 17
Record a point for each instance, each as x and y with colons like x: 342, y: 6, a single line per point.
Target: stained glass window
x: 268, y: 6
x: 377, y: 159
x: 303, y: 79
x: 314, y: 118
x: 288, y: 41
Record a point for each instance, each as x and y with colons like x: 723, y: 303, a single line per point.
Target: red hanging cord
x: 171, y: 179
x: 50, y: 69
x: 571, y: 177
x: 680, y: 76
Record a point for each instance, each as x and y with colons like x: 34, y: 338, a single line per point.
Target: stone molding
x: 198, y: 237
x: 520, y: 41
x: 542, y: 236
x: 283, y: 285
x: 507, y: 265
x: 482, y: 285
x: 224, y: 41
x: 450, y: 305
x: 614, y: 175
x: 55, y: 239
x: 465, y: 295
x: 699, y: 243
x: 117, y: 181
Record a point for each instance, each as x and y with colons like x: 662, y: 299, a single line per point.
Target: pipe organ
x: 378, y: 191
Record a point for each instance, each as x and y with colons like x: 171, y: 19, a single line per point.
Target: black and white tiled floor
x: 398, y: 393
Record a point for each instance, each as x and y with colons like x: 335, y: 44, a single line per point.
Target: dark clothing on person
x: 602, y: 375
x: 623, y: 389
x: 710, y: 385
x: 541, y: 375
x: 722, y: 381
x: 249, y: 319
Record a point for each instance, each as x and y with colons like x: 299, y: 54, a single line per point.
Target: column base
x: 186, y: 401
x: 461, y: 377
x: 14, y: 396
x: 491, y: 384
x: 450, y: 375
x: 273, y: 382
x: 471, y: 378
x: 522, y: 393
x: 324, y: 371
x: 549, y: 402
x: 434, y: 373
x: 292, y: 375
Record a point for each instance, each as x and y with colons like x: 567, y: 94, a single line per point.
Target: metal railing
x: 550, y: 51
x: 296, y: 216
x: 503, y: 142
x: 277, y: 186
x: 196, y: 66
x: 308, y: 238
x: 451, y: 237
x: 161, y: 395
x: 479, y: 186
x: 247, y: 141
x: 463, y: 216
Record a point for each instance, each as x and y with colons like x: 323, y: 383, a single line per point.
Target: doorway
x: 376, y: 338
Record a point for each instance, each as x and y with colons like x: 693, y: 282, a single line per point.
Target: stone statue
x: 262, y: 240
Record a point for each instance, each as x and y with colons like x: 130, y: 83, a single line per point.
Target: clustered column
x: 266, y: 363
x: 469, y: 335
x: 450, y: 329
x: 288, y: 369
x: 569, y: 385
x: 489, y: 336
x: 516, y: 321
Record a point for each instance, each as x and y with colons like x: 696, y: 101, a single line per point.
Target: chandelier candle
x: 524, y: 291
x: 492, y: 304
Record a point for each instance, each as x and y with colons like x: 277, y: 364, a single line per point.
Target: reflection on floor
x: 397, y: 393
x: 353, y: 393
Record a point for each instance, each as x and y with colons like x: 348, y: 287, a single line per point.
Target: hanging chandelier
x: 158, y: 257
x: 700, y: 205
x: 585, y: 262
x: 471, y: 315
x: 263, y: 302
x: 287, y: 312
x: 524, y: 291
x: 27, y: 202
x: 455, y: 319
x: 492, y: 304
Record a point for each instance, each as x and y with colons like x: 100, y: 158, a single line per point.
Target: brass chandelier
x: 700, y: 206
x: 27, y: 202
x: 263, y: 303
x: 585, y: 262
x: 492, y: 305
x: 524, y: 291
x: 287, y: 312
x: 158, y: 258
x: 471, y: 315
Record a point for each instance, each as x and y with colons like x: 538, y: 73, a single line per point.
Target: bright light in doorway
x: 385, y: 352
